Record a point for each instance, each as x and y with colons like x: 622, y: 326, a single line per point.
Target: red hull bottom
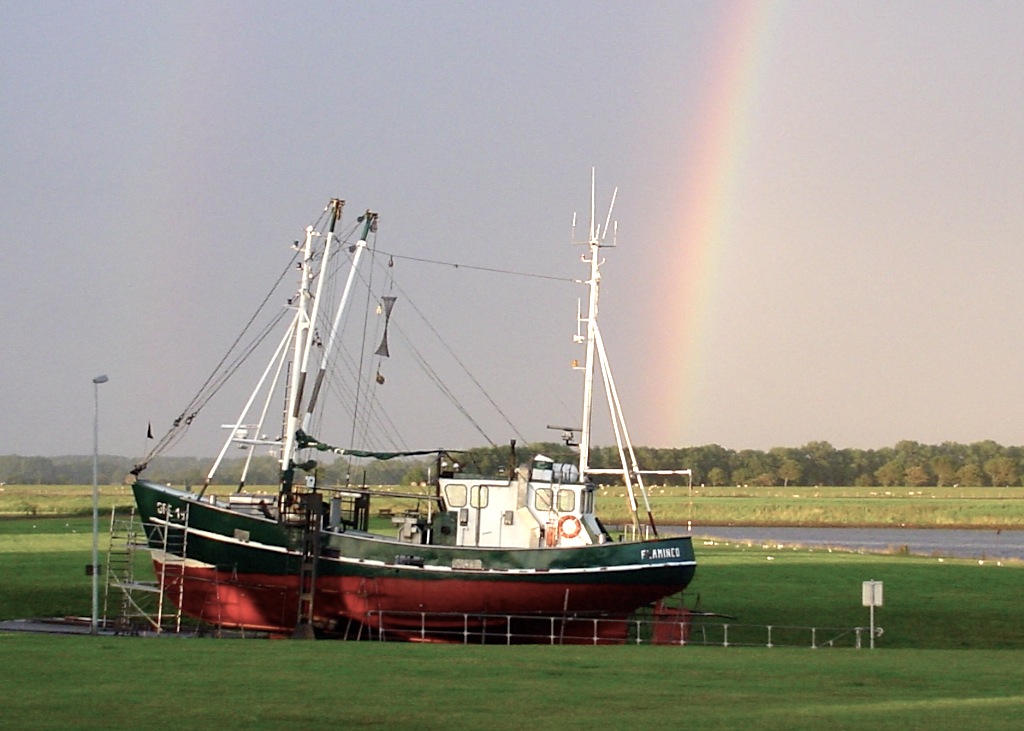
x: 392, y: 608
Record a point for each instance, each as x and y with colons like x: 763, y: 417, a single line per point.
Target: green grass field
x: 946, y: 507
x: 951, y: 657
x: 115, y: 683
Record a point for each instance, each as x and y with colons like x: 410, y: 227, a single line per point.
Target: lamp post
x: 94, y: 569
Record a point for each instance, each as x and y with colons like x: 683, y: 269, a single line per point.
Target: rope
x: 236, y: 354
x: 461, y: 365
x: 220, y: 375
x: 456, y: 265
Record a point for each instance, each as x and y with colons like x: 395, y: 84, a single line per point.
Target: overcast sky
x: 820, y: 207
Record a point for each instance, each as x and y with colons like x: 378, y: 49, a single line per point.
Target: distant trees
x: 1001, y: 471
x: 717, y: 477
x: 970, y: 474
x: 944, y: 469
x: 907, y: 463
x: 916, y: 476
x: 789, y: 471
x: 889, y: 474
x: 183, y: 471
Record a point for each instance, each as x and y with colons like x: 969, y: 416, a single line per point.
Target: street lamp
x: 94, y: 569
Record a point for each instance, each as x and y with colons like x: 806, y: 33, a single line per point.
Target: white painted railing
x: 555, y: 630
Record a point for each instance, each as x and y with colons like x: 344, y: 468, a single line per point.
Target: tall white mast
x: 594, y: 284
x: 369, y: 221
x: 629, y: 469
x: 302, y: 332
x: 300, y: 339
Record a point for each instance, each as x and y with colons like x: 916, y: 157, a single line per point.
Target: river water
x: 979, y: 544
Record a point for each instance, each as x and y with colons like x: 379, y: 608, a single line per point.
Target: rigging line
x: 219, y: 375
x: 200, y: 395
x: 432, y: 374
x: 239, y: 360
x: 372, y: 426
x: 266, y: 330
x: 493, y: 270
x: 389, y: 289
x: 360, y: 388
x: 340, y: 387
x: 214, y: 384
x: 342, y: 391
x: 462, y: 365
x: 374, y: 409
x: 385, y: 426
x: 437, y: 380
x: 353, y: 369
x: 439, y: 383
x: 375, y: 425
x: 338, y: 263
x: 355, y: 398
x: 201, y: 398
x: 372, y: 415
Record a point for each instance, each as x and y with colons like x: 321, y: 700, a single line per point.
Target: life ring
x: 574, y: 526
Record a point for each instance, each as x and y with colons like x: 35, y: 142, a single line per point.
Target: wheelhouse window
x: 455, y: 496
x: 543, y: 499
x: 478, y: 496
x: 566, y: 500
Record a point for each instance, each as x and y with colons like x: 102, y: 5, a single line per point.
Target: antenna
x: 593, y: 184
x: 607, y: 219
x: 598, y: 233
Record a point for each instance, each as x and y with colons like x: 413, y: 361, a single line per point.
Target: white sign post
x: 871, y: 596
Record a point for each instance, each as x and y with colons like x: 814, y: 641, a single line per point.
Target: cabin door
x: 483, y: 527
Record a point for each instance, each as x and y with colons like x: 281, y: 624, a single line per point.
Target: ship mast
x: 306, y: 305
x: 369, y: 221
x: 597, y: 356
x: 594, y: 285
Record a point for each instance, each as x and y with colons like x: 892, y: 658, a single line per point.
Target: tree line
x: 182, y: 471
x: 908, y: 463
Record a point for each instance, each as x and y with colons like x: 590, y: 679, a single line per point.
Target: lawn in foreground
x: 174, y: 683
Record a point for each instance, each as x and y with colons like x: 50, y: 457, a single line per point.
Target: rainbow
x: 712, y: 168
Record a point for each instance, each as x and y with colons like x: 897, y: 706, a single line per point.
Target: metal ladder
x: 142, y: 602
x: 312, y: 512
x: 120, y: 571
x: 175, y: 544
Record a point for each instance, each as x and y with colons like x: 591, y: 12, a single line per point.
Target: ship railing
x: 631, y: 534
x: 733, y: 634
x: 683, y: 629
